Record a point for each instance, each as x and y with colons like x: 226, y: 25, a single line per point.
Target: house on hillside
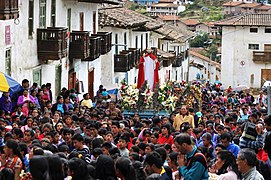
x: 232, y: 7
x: 264, y: 9
x: 249, y: 7
x: 190, y: 24
x: 203, y: 68
x: 165, y: 8
x: 54, y: 41
x: 133, y: 33
x: 246, y: 50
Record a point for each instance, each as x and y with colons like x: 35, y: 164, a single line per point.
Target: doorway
x: 58, y: 80
x: 91, y: 83
x: 266, y: 75
x: 81, y: 21
x: 72, y: 79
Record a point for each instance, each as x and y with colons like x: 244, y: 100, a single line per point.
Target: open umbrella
x: 7, y: 83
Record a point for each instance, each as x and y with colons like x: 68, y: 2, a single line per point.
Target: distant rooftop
x: 247, y: 20
x: 232, y: 4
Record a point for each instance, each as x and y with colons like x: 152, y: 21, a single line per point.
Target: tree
x: 212, y: 52
x: 199, y: 41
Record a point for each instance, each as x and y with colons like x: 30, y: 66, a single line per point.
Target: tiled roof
x: 250, y: 5
x: 232, y: 4
x: 125, y: 18
x: 247, y: 20
x: 190, y: 22
x: 264, y: 7
x: 169, y: 17
x: 193, y: 53
x: 175, y: 33
x: 165, y: 5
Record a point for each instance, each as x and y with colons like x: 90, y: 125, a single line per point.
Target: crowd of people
x: 228, y: 138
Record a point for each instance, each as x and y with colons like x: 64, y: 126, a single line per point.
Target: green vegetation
x: 205, y: 10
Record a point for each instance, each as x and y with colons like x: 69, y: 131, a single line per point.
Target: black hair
x: 38, y: 170
x: 107, y: 145
x: 63, y: 148
x: 183, y: 138
x: 78, y: 137
x: 55, y: 167
x: 229, y: 162
x: 79, y: 169
x: 150, y: 145
x: 226, y: 135
x: 105, y: 168
x: 267, y: 120
x: 154, y: 159
x: 25, y: 81
x: 23, y: 147
x: 126, y: 168
x: 173, y: 158
x: 7, y: 174
x: 18, y: 132
x: 140, y: 174
x: 12, y: 144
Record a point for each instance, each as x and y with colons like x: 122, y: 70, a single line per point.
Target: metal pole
x: 269, y: 99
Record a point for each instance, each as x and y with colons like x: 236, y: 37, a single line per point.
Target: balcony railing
x: 106, y: 41
x: 52, y: 43
x: 95, y: 48
x: 121, y: 62
x: 262, y: 56
x: 178, y: 61
x: 101, y: 1
x: 79, y: 45
x: 9, y: 9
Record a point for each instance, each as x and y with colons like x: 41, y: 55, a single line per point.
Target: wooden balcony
x: 121, y: 63
x: 135, y: 56
x: 106, y: 41
x: 101, y: 1
x: 52, y: 43
x: 262, y: 56
x: 178, y: 60
x: 95, y: 48
x: 79, y: 45
x: 9, y: 9
x: 130, y: 58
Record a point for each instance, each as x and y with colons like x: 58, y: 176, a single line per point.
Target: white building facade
x: 246, y: 50
x: 20, y: 51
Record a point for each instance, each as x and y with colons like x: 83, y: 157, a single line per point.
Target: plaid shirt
x: 255, y: 145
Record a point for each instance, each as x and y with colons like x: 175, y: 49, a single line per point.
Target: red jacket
x: 165, y: 140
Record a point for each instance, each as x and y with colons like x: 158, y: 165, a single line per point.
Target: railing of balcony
x: 52, y: 43
x: 9, y: 9
x: 262, y: 56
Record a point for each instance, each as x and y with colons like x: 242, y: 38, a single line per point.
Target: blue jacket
x: 197, y: 171
x: 234, y: 149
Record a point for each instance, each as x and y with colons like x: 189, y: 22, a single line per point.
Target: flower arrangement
x: 167, y: 96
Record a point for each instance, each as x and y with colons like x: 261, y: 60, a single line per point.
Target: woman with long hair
x: 55, y: 167
x: 226, y: 166
x: 77, y: 169
x: 105, y: 168
x: 39, y: 168
x: 12, y: 158
x: 125, y: 169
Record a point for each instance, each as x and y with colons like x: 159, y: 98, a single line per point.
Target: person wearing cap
x: 183, y: 117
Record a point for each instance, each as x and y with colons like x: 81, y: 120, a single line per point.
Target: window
x: 253, y: 46
x: 142, y: 42
x: 136, y: 42
x: 147, y: 40
x: 8, y: 62
x: 53, y: 13
x: 125, y: 41
x: 116, y: 44
x: 254, y: 30
x: 42, y: 17
x: 94, y: 22
x: 267, y: 30
x: 31, y: 18
x: 69, y: 13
